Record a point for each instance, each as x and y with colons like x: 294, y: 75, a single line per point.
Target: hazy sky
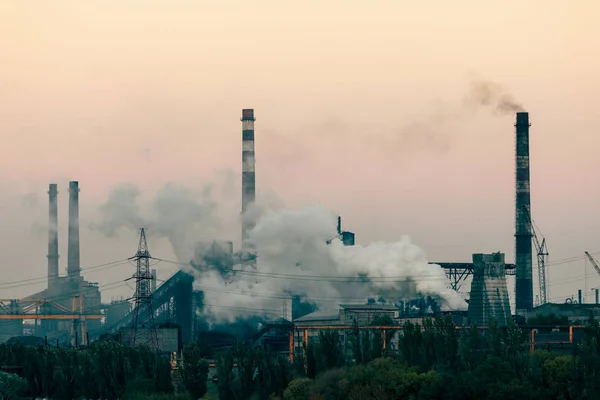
x: 359, y: 107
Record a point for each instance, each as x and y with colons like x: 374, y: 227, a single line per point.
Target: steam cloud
x: 494, y: 96
x: 180, y: 214
x: 293, y: 258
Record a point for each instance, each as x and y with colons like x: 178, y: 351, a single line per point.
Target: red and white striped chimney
x: 248, y: 170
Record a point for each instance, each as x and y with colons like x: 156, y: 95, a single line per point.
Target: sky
x: 360, y: 108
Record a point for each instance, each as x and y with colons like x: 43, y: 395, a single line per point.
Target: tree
x: 12, y: 387
x: 194, y: 370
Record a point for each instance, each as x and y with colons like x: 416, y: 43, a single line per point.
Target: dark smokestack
x: 248, y: 173
x: 53, y: 235
x: 597, y: 296
x: 523, y: 235
x: 73, y: 250
x: 579, y: 297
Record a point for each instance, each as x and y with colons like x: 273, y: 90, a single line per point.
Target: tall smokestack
x: 523, y: 235
x: 53, y: 235
x: 73, y: 267
x: 248, y: 173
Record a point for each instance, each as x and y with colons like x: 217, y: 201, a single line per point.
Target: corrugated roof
x: 323, y: 315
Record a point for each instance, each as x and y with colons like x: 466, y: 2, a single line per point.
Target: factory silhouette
x: 69, y: 312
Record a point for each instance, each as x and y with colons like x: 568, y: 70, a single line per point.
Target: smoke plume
x: 494, y: 96
x: 182, y: 215
x: 292, y: 255
x: 294, y: 259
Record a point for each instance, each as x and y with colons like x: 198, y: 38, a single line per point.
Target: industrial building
x: 69, y: 310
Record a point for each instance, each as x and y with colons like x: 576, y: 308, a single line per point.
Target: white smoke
x: 293, y: 257
x: 183, y: 215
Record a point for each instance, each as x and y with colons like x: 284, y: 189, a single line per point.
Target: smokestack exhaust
x: 523, y: 234
x: 248, y: 170
x: 73, y: 267
x: 53, y: 235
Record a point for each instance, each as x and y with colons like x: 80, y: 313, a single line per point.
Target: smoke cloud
x: 492, y: 95
x: 182, y: 215
x: 292, y: 255
x: 294, y: 259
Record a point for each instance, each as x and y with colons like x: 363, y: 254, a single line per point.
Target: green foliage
x: 12, y: 387
x: 433, y: 361
x: 298, y: 389
x: 438, y: 361
x: 259, y: 372
x: 105, y: 369
x: 194, y: 370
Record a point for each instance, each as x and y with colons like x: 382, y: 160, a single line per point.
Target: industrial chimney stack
x: 523, y: 234
x: 248, y: 171
x: 53, y: 236
x: 73, y: 267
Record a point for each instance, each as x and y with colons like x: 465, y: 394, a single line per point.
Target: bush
x: 12, y: 387
x: 297, y: 389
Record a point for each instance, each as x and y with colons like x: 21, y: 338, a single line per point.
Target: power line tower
x: 143, y: 327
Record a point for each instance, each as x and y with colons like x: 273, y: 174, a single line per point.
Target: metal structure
x: 173, y: 302
x: 53, y: 235
x: 73, y: 267
x: 458, y: 273
x: 44, y: 310
x: 248, y: 169
x: 143, y: 327
x: 347, y: 237
x: 542, y: 253
x: 523, y: 234
x: 593, y: 262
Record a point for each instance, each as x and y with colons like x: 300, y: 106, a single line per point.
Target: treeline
x: 441, y: 362
x: 435, y: 361
x: 104, y: 370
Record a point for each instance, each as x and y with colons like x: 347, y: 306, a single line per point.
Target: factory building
x: 176, y: 301
x: 70, y: 293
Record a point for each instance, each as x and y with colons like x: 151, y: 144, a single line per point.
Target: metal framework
x: 143, y: 327
x: 458, y: 273
x: 542, y: 253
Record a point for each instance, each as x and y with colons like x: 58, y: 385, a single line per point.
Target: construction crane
x: 542, y: 253
x: 594, y: 263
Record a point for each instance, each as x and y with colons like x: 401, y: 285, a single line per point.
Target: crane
x: 593, y: 262
x: 542, y: 253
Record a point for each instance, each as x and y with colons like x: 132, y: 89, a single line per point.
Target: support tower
x: 248, y: 170
x: 143, y: 327
x: 523, y: 234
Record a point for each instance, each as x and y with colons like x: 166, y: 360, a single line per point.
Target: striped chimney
x: 248, y: 170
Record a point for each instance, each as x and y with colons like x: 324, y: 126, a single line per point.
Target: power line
x: 42, y: 279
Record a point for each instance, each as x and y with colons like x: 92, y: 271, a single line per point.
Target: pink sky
x: 106, y: 92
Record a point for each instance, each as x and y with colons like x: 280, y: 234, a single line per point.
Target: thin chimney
x: 523, y: 234
x: 248, y: 170
x: 73, y: 267
x: 53, y: 235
